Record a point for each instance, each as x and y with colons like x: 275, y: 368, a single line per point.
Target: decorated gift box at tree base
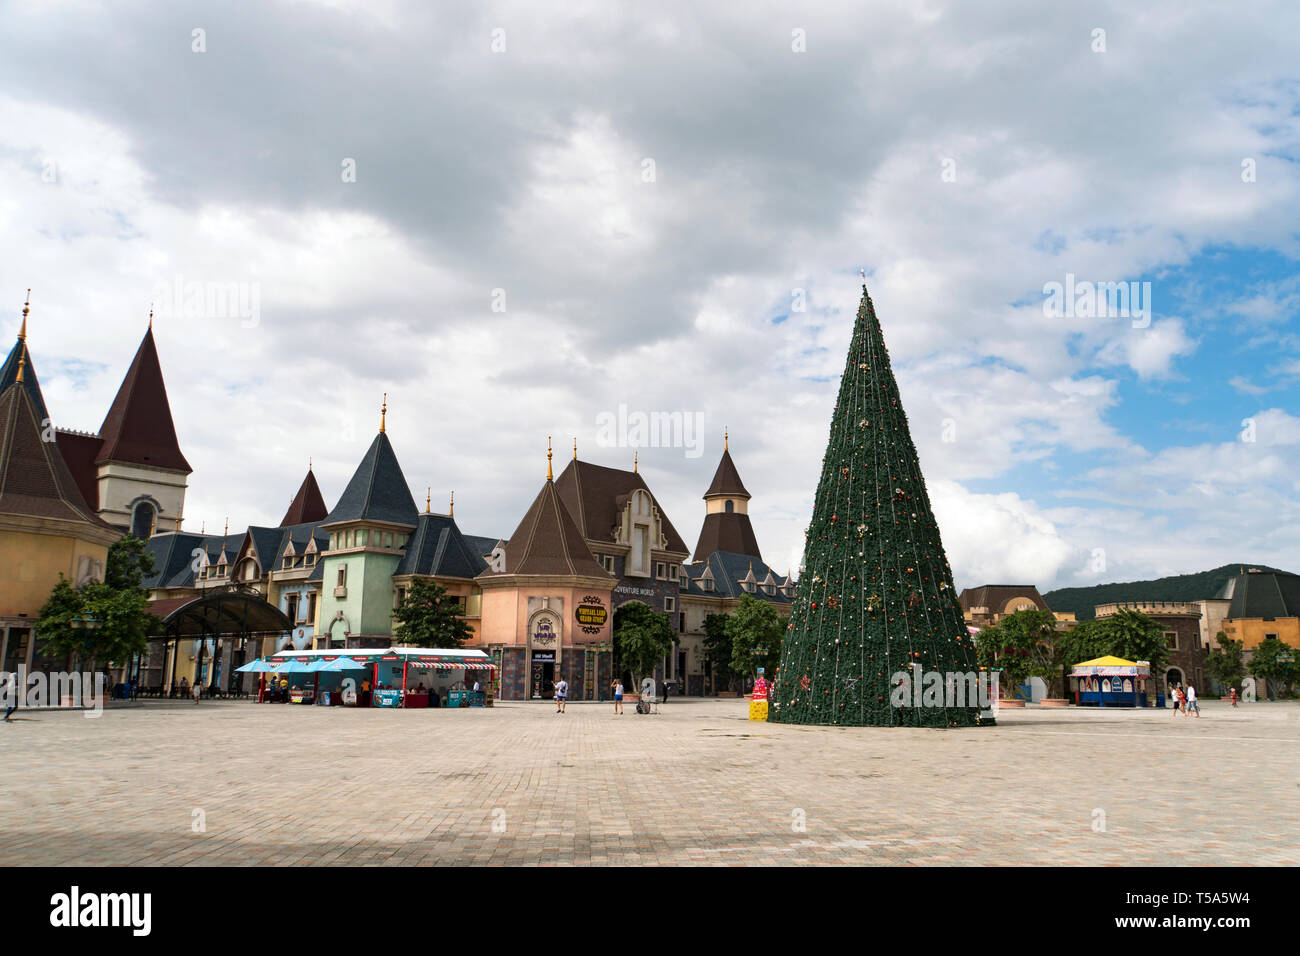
x: 876, y: 598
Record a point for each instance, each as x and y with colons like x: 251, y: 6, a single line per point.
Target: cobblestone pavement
x: 241, y: 783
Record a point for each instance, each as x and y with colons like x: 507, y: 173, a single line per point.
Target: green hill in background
x: 1179, y: 587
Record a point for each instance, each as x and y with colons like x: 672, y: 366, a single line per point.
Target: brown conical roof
x: 548, y: 541
x: 726, y: 480
x: 308, y: 506
x: 727, y: 531
x: 138, y: 427
x: 34, y: 478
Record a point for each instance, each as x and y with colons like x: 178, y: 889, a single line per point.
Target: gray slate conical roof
x: 377, y: 490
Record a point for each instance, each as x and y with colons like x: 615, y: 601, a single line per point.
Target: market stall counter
x: 442, y: 675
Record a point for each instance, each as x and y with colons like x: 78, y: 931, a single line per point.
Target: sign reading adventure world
x: 591, y: 614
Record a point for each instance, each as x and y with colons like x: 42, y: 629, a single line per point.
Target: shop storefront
x: 409, y: 677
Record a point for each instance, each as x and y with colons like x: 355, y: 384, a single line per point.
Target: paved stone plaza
x: 698, y: 784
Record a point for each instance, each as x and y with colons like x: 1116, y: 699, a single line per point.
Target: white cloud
x: 774, y: 171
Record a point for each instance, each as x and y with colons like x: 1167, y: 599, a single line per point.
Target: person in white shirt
x: 1192, y: 705
x: 561, y: 694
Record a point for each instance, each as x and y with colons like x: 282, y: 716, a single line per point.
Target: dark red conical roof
x: 308, y: 506
x: 726, y: 480
x: 34, y: 479
x: 138, y: 427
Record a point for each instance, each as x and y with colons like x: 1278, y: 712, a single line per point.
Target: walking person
x: 1232, y: 696
x: 1173, y: 698
x: 10, y: 681
x: 1192, y: 705
x: 561, y: 694
x: 618, y: 696
x: 196, y: 691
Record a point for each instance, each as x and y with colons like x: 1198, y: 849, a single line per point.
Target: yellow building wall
x: 30, y: 565
x: 1251, y: 630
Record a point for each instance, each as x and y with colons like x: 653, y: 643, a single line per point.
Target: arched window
x: 142, y: 520
x: 730, y: 506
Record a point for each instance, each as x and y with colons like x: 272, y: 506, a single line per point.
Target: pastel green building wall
x: 368, y: 606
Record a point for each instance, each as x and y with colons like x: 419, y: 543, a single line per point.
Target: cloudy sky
x: 514, y: 217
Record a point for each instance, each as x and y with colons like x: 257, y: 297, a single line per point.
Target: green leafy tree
x: 642, y: 639
x: 429, y: 617
x: 876, y: 595
x: 102, y: 622
x: 1274, y: 660
x: 1022, y: 645
x: 756, y: 631
x: 1226, y: 663
x: 1126, y: 633
x: 717, y: 650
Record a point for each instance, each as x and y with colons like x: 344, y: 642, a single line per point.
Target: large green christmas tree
x: 876, y: 597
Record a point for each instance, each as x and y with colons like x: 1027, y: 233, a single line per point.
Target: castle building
x: 726, y: 518
x: 727, y: 566
x: 1180, y: 623
x: 548, y: 610
x: 627, y: 531
x: 47, y: 529
x: 541, y: 601
x: 990, y: 603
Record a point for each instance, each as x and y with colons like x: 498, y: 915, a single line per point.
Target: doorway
x: 543, y: 679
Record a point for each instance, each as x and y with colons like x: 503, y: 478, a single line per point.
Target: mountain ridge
x: 1176, y: 587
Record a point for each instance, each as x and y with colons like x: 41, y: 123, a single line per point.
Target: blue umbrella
x: 292, y: 667
x: 258, y: 666
x: 344, y: 664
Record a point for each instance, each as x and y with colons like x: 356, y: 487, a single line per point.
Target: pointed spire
x: 726, y: 439
x: 138, y: 428
x: 150, y: 316
x: 634, y: 462
x: 575, y: 447
x: 428, y: 499
x: 548, y: 542
x: 377, y: 490
x: 178, y: 522
x: 549, y: 476
x: 225, y: 534
x: 451, y: 508
x: 203, y: 527
x: 308, y: 505
x: 22, y: 337
x: 383, y: 413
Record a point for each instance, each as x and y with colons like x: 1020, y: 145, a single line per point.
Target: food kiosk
x: 1110, y: 682
x: 395, y: 674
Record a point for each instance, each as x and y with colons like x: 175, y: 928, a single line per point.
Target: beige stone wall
x: 1251, y: 631
x: 120, y: 484
x: 30, y: 565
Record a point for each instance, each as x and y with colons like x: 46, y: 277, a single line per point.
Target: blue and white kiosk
x: 1110, y: 682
